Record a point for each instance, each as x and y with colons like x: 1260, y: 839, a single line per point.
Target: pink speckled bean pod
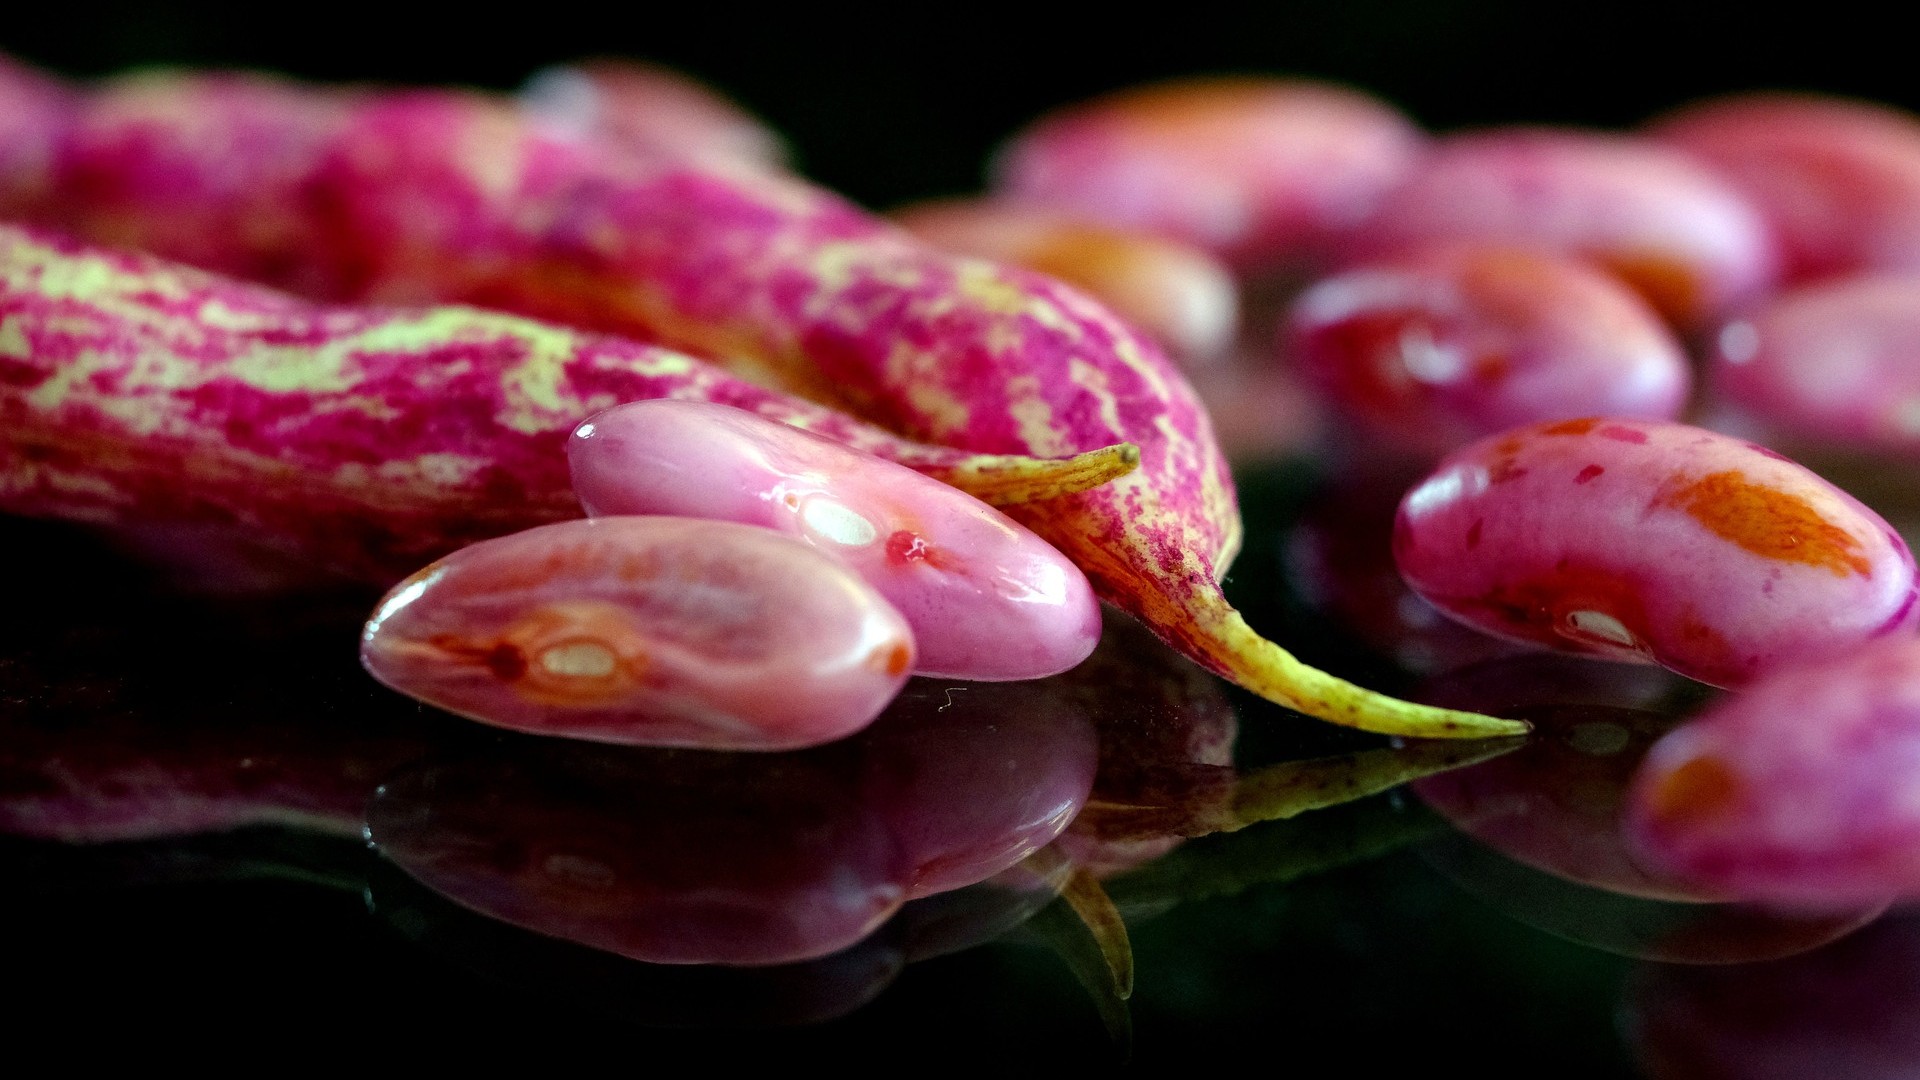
x: 1837, y: 363
x: 36, y: 110
x: 136, y: 393
x: 1439, y: 347
x: 457, y: 197
x: 1178, y: 293
x: 986, y: 598
x: 655, y: 631
x: 1656, y: 543
x: 1803, y: 790
x: 1673, y: 229
x: 1838, y: 181
x: 1258, y: 171
x: 651, y: 110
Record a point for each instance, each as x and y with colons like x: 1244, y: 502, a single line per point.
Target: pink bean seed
x: 653, y: 111
x: 986, y: 598
x: 1257, y: 171
x: 1178, y: 293
x: 1837, y: 181
x: 656, y: 631
x: 1837, y: 363
x: 1804, y: 790
x: 1652, y: 542
x: 1438, y: 347
x: 1672, y: 229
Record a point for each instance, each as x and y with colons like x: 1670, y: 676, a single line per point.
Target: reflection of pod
x: 1846, y: 1010
x: 655, y: 631
x: 694, y: 857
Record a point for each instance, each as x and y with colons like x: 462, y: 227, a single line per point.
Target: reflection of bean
x: 986, y: 598
x: 658, y: 631
x: 1805, y: 789
x: 1654, y: 543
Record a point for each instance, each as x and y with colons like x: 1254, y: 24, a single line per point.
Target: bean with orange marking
x: 1652, y: 542
x: 657, y: 631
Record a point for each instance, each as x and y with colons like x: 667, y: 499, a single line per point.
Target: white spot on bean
x: 580, y: 659
x: 837, y: 523
x: 1600, y: 626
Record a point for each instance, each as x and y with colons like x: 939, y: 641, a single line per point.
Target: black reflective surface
x: 187, y: 785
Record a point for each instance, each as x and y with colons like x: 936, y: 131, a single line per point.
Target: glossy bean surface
x: 1804, y: 790
x: 1838, y: 181
x: 651, y: 110
x: 986, y: 598
x: 1176, y: 292
x: 1674, y: 230
x: 1436, y: 348
x: 1837, y: 363
x: 655, y: 631
x: 1652, y: 542
x: 1258, y: 171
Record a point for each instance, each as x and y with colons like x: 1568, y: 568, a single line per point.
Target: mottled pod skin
x: 456, y: 197
x: 1258, y: 171
x: 1652, y: 542
x: 1666, y: 224
x: 1836, y: 363
x: 1176, y: 292
x: 654, y: 631
x: 1436, y: 348
x: 652, y: 110
x: 1804, y: 790
x: 986, y: 598
x: 138, y: 394
x: 1838, y: 181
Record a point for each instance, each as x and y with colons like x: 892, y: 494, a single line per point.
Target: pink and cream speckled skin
x: 456, y: 197
x: 1837, y: 363
x: 137, y: 393
x: 1261, y: 172
x: 1438, y: 347
x: 987, y: 599
x: 1651, y: 542
x: 1800, y: 791
x: 1677, y: 232
x: 651, y: 631
x: 1838, y: 181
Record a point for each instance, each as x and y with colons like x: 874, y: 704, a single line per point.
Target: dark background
x: 887, y: 103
